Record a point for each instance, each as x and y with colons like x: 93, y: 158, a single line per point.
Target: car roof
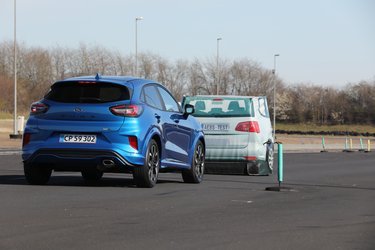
x: 112, y: 79
x: 223, y: 96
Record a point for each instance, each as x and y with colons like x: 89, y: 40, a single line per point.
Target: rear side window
x: 263, y: 109
x: 151, y: 96
x: 170, y: 104
x: 221, y: 106
x: 87, y: 92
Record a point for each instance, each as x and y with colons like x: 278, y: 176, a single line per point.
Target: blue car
x: 100, y: 124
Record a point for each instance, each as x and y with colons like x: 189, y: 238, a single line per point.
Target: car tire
x: 270, y: 159
x: 251, y: 169
x: 147, y: 175
x: 92, y: 174
x: 196, y: 172
x: 37, y: 175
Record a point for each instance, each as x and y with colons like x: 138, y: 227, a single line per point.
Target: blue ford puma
x: 99, y: 124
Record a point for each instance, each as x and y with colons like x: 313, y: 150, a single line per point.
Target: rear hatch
x: 225, y: 120
x: 83, y: 106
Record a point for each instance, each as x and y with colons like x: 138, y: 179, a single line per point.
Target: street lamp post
x: 274, y: 95
x: 217, y: 65
x: 15, y: 132
x: 136, y: 43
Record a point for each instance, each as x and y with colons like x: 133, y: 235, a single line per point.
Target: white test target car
x: 238, y: 133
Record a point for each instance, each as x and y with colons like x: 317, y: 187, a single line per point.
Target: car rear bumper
x: 236, y: 167
x: 235, y: 155
x: 227, y: 167
x: 78, y: 159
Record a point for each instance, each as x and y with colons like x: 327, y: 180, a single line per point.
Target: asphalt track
x: 331, y: 206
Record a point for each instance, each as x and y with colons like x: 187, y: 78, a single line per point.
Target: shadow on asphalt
x: 329, y: 186
x: 12, y: 180
x: 129, y: 183
x: 77, y: 181
x: 293, y: 184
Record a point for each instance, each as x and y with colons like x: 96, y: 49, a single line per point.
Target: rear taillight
x: 26, y: 139
x: 38, y: 108
x: 251, y: 127
x: 126, y: 110
x: 133, y: 141
x: 250, y: 158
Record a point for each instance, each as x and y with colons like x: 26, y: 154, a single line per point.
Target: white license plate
x: 71, y: 138
x: 215, y: 127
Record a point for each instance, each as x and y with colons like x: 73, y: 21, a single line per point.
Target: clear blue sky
x: 325, y: 42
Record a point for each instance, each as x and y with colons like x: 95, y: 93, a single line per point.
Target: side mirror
x: 188, y: 110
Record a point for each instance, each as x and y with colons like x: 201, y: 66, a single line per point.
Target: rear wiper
x: 92, y: 99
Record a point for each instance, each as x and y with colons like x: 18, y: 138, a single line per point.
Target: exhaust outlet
x: 108, y: 163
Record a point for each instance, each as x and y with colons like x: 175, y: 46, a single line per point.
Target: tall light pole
x: 15, y: 132
x: 274, y: 95
x: 217, y: 65
x: 136, y: 43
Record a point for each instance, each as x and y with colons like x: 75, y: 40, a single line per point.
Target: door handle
x: 176, y: 120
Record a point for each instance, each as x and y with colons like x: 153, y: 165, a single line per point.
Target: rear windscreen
x: 220, y: 107
x: 87, y: 92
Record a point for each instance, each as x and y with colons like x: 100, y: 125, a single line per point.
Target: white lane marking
x: 10, y: 152
x: 242, y: 201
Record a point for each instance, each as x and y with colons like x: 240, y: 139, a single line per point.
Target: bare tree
x: 197, y: 79
x: 6, y: 100
x: 39, y: 68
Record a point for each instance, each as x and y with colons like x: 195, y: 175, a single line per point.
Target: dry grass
x: 328, y: 128
x: 5, y: 116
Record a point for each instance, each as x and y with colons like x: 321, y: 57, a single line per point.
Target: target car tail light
x: 250, y: 158
x: 251, y: 127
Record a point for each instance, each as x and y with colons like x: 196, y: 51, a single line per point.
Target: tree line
x: 39, y: 67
